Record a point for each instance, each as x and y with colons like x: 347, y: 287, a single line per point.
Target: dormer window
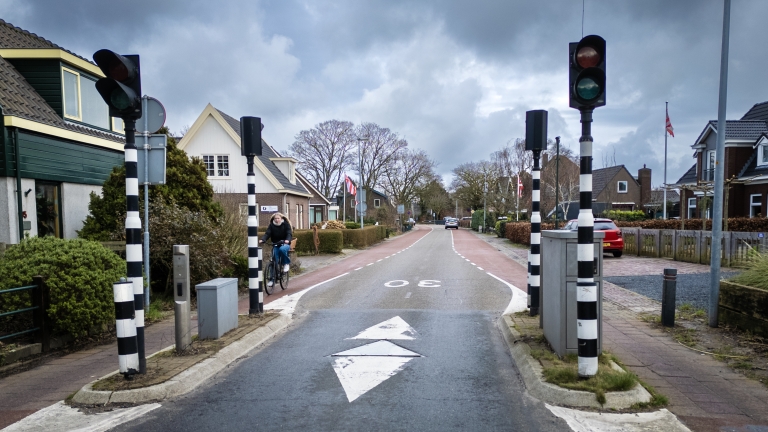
x: 762, y: 154
x: 82, y: 101
x: 71, y: 80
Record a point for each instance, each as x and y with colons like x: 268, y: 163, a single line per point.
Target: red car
x: 612, y: 242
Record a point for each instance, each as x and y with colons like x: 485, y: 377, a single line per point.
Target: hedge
x: 734, y: 224
x: 361, y: 238
x: 331, y: 241
x: 520, y: 232
x: 79, y: 274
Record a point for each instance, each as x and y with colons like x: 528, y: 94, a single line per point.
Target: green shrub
x: 361, y: 238
x: 501, y: 228
x: 79, y: 273
x: 331, y: 241
x: 625, y: 215
x: 352, y: 225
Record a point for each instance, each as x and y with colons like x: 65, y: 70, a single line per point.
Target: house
x: 614, y: 188
x: 215, y: 138
x: 745, y: 167
x: 57, y: 141
x: 655, y: 207
x: 374, y: 199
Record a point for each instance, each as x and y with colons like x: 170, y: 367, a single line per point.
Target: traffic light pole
x: 534, y: 278
x: 586, y: 289
x: 255, y: 274
x: 133, y: 247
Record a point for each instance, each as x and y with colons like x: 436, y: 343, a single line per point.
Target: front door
x: 48, y: 206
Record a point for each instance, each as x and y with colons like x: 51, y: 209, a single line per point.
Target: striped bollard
x: 534, y: 289
x: 586, y: 289
x: 125, y: 324
x: 133, y: 241
x: 255, y: 274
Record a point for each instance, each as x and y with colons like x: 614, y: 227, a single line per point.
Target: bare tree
x: 378, y: 152
x: 569, y: 180
x: 470, y: 179
x: 510, y: 162
x: 409, y: 171
x: 324, y: 152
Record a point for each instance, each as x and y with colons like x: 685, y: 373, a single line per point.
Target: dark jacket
x: 278, y: 233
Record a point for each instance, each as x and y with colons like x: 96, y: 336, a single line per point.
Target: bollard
x: 668, y: 294
x: 125, y: 324
x: 181, y: 296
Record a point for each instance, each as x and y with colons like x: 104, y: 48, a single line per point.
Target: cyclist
x: 279, y: 232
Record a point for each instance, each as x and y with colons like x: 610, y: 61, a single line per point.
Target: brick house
x: 215, y: 138
x: 374, y: 199
x: 57, y: 141
x: 615, y: 188
x: 746, y: 163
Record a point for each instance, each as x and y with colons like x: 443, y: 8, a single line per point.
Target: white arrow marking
x: 380, y: 348
x: 394, y: 328
x: 362, y: 373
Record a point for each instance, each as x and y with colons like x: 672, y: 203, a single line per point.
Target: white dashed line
x: 369, y: 264
x: 473, y: 264
x: 466, y: 259
x: 358, y: 268
x: 479, y: 268
x: 380, y: 260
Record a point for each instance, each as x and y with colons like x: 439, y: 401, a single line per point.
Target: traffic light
x: 121, y: 89
x: 250, y: 136
x: 587, y: 72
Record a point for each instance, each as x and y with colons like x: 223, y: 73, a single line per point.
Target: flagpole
x: 517, y: 195
x: 666, y: 133
x: 344, y: 201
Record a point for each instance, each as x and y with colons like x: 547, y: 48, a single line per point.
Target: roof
x: 689, y: 177
x: 601, y: 177
x: 657, y: 197
x: 267, y: 152
x: 748, y: 130
x: 751, y: 168
x: 758, y: 111
x: 17, y: 38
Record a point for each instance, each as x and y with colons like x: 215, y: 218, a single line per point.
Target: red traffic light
x: 121, y: 89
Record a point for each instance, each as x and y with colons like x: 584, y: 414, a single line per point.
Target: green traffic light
x: 120, y: 99
x: 587, y: 88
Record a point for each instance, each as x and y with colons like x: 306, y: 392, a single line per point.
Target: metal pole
x: 182, y: 296
x: 517, y: 199
x: 145, y: 134
x: 485, y: 213
x: 133, y: 248
x: 666, y: 134
x: 360, y: 188
x: 557, y: 184
x: 255, y: 274
x: 717, y: 216
x: 586, y: 289
x: 534, y: 280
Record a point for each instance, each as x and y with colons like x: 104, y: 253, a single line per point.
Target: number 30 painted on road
x: 427, y: 283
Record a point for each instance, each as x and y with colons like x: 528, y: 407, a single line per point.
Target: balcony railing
x: 708, y: 175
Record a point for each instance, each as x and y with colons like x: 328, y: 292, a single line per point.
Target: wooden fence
x: 692, y: 246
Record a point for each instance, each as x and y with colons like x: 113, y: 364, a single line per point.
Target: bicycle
x: 274, y: 271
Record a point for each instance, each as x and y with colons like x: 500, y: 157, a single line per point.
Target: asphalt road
x: 444, y: 365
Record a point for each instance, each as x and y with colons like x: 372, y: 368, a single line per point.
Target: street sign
x: 400, y: 208
x: 361, y: 207
x: 156, y: 155
x: 153, y: 115
x: 269, y: 209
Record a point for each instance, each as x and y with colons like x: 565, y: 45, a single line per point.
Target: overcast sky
x: 453, y: 77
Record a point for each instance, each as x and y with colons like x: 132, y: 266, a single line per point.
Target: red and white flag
x: 350, y: 186
x: 670, y: 129
x: 519, y: 186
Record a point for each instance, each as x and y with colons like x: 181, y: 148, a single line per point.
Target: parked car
x: 452, y: 223
x: 612, y: 242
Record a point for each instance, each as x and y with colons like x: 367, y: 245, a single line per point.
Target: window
x: 71, y: 86
x: 376, y: 203
x: 48, y: 207
x: 622, y: 187
x: 298, y: 222
x: 351, y: 203
x: 216, y: 165
x: 755, y: 205
x: 691, y: 208
x: 117, y: 124
x: 762, y: 154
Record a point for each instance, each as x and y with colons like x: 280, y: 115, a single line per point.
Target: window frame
x: 114, y: 125
x: 691, y: 207
x: 761, y: 153
x: 626, y: 186
x: 376, y: 203
x: 753, y: 205
x: 218, y: 161
x: 79, y: 116
x: 215, y: 163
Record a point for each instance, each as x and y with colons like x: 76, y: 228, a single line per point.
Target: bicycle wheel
x: 269, y: 274
x: 284, y: 279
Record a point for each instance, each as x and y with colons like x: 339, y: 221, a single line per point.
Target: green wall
x: 45, y: 77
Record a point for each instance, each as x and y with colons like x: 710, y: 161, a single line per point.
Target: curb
x: 190, y: 378
x: 531, y: 372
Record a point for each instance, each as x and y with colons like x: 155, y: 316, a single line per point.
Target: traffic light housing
x: 121, y: 89
x: 536, y: 130
x: 250, y: 136
x: 586, y: 75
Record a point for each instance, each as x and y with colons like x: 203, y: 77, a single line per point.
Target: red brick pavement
x: 703, y: 392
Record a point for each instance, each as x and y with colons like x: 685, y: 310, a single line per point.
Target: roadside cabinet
x: 216, y: 307
x: 558, y: 289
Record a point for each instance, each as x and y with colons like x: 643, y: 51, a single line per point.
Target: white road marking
x: 360, y: 374
x: 480, y: 268
x: 466, y: 259
x: 60, y: 416
x: 473, y: 263
x: 429, y: 283
x: 519, y: 300
x: 379, y: 348
x: 408, y: 295
x: 393, y: 328
x: 396, y: 283
x: 380, y: 260
x: 358, y: 268
x: 369, y: 264
x: 586, y: 421
x: 287, y: 304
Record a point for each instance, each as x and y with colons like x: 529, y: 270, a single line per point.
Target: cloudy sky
x: 453, y: 77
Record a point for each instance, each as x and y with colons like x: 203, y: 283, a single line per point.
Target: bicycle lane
x: 486, y: 258
x: 376, y: 253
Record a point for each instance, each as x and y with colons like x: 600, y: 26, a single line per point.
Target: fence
x: 40, y: 297
x: 692, y: 246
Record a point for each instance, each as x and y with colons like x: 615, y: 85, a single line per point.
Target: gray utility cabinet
x: 559, y: 268
x: 216, y: 307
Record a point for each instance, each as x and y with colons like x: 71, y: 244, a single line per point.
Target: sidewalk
x: 703, y: 392
x: 27, y: 392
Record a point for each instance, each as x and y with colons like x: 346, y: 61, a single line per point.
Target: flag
x: 670, y: 129
x: 519, y: 186
x: 350, y: 186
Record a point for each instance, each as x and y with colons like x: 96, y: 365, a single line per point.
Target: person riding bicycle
x: 279, y: 232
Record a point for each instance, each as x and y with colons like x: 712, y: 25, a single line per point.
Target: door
x: 48, y: 207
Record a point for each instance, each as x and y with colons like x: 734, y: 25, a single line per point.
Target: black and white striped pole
x: 536, y: 141
x: 586, y: 92
x: 250, y: 146
x: 133, y: 246
x: 125, y: 326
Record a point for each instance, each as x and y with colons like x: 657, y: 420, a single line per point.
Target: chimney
x: 644, y: 178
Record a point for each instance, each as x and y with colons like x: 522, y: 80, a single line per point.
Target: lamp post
x: 360, y: 193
